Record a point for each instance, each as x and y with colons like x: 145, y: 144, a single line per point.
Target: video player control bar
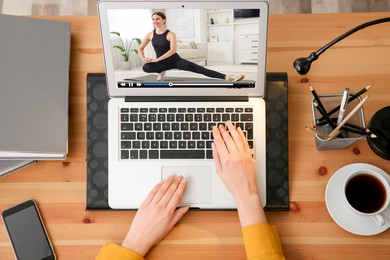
x: 186, y: 84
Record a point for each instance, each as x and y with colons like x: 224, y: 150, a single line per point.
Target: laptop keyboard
x: 176, y: 133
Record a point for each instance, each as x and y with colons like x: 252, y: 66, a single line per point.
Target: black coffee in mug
x: 365, y: 193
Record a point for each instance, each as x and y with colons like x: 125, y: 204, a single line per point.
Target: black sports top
x: 160, y: 43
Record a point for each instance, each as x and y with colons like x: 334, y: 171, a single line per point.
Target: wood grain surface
x: 307, y: 231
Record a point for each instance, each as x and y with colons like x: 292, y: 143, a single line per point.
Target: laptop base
x: 97, y: 147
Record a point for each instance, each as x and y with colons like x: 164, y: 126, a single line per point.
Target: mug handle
x: 378, y: 219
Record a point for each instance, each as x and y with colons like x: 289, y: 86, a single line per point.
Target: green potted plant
x: 125, y: 49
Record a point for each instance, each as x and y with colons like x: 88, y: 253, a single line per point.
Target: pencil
x: 317, y: 98
x: 323, y: 113
x: 350, y: 99
x: 318, y: 132
x: 357, y: 131
x: 354, y: 110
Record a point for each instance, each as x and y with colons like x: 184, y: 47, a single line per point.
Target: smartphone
x: 27, y: 233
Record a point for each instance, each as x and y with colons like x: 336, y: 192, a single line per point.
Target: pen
x: 343, y: 105
x: 350, y: 99
x: 356, y: 108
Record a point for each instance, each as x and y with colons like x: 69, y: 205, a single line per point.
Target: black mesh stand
x: 277, y: 143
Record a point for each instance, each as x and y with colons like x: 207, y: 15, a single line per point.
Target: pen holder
x: 331, y: 101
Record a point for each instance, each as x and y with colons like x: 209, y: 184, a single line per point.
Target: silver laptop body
x: 137, y: 96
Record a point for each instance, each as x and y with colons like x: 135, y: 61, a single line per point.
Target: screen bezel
x: 16, y: 209
x: 114, y: 91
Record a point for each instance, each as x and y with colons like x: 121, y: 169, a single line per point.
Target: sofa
x: 195, y: 52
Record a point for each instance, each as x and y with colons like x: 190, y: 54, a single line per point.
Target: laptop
x: 160, y: 125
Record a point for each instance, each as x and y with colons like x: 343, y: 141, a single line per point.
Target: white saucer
x: 340, y: 211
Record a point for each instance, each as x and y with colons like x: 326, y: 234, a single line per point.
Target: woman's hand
x: 235, y: 166
x: 156, y: 216
x: 148, y: 60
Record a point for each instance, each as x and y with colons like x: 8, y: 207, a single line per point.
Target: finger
x: 176, y: 196
x: 179, y: 213
x: 235, y: 135
x: 244, y: 140
x: 229, y: 142
x: 220, y: 143
x: 163, y: 189
x: 152, y: 193
x: 217, y: 160
x: 170, y: 193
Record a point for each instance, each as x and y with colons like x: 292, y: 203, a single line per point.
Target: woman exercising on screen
x: 164, y: 44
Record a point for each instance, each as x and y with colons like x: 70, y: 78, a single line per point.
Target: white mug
x: 367, y: 193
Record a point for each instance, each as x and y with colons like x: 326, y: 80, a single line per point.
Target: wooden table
x: 307, y: 231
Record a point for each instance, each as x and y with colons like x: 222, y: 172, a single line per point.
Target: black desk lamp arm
x: 345, y: 35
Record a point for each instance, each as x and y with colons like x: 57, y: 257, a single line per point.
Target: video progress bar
x: 137, y: 84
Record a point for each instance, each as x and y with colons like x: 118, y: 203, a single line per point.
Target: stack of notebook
x: 34, y: 80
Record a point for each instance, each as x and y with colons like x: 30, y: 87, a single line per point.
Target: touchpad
x: 198, y: 182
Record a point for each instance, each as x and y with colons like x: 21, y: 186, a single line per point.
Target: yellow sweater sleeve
x: 262, y: 242
x: 115, y: 252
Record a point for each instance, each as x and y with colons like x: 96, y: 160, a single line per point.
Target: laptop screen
x: 184, y: 49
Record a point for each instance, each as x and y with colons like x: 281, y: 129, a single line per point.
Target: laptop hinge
x: 186, y: 99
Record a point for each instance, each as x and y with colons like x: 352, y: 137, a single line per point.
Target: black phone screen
x: 27, y: 233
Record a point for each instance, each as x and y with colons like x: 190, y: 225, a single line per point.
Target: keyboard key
x: 126, y: 126
x: 164, y: 144
x: 235, y: 117
x: 184, y: 126
x: 246, y: 117
x: 125, y: 154
x: 143, y: 117
x: 134, y: 154
x: 191, y: 144
x: 209, y: 154
x: 182, y: 154
x: 189, y: 117
x: 140, y: 135
x: 128, y: 136
x: 147, y: 126
x: 156, y: 126
x: 150, y: 135
x: 175, y: 126
x: 126, y: 144
x: 200, y: 144
x: 145, y: 145
x: 138, y: 127
x: 124, y: 117
x: 133, y: 117
x: 153, y: 154
x: 136, y: 144
x: 182, y: 144
x: 161, y: 117
x: 143, y: 154
x: 159, y: 135
x: 154, y: 144
x: 172, y: 144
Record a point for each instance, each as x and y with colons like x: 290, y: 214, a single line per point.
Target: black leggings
x: 176, y: 62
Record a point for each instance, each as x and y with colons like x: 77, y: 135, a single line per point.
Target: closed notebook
x: 34, y: 86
